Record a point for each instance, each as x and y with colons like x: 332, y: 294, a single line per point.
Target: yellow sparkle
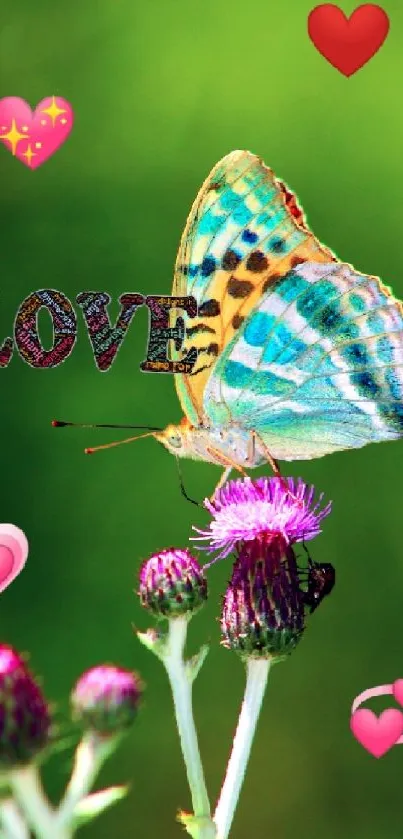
x: 24, y: 128
x: 38, y: 145
x: 13, y: 137
x: 29, y: 154
x: 53, y: 111
x: 63, y: 121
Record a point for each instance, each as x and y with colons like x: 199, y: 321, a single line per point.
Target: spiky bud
x: 172, y: 583
x: 24, y: 713
x: 263, y: 607
x: 106, y: 699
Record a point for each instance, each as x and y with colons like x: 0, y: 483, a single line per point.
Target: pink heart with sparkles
x: 34, y: 136
x: 13, y: 553
x: 377, y: 734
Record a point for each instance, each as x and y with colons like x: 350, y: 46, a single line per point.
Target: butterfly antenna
x: 150, y: 432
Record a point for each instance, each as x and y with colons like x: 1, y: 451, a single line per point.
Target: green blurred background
x: 160, y: 92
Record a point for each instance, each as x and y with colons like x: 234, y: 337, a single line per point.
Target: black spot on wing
x: 200, y: 370
x: 201, y: 327
x: 230, y: 260
x: 270, y: 281
x: 257, y: 262
x: 237, y: 321
x: 209, y: 309
x: 239, y: 288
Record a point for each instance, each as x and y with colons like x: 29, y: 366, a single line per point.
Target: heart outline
x: 13, y: 539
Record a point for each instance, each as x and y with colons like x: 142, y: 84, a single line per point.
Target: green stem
x: 27, y: 788
x: 91, y: 753
x: 181, y: 685
x: 257, y: 671
x: 12, y: 821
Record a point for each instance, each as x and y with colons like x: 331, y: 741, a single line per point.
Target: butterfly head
x: 178, y: 439
x: 172, y: 438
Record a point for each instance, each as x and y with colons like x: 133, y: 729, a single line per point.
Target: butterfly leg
x: 229, y: 464
x: 223, y: 478
x: 273, y: 463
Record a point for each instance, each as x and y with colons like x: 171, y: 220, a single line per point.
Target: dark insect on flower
x: 320, y: 581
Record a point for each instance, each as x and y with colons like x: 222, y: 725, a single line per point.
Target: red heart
x: 348, y: 43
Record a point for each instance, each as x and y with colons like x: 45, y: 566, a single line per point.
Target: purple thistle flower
x: 263, y: 607
x: 172, y: 583
x: 244, y: 510
x: 25, y: 721
x: 106, y: 698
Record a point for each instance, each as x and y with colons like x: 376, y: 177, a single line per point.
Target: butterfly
x: 298, y: 354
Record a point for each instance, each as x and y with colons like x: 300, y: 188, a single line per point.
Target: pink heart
x: 34, y: 136
x: 398, y: 691
x: 13, y: 553
x: 377, y: 734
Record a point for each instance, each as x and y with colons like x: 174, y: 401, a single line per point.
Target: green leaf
x: 194, y: 664
x: 91, y: 806
x: 153, y: 641
x: 198, y: 827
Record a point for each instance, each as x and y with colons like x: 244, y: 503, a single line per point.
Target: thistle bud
x: 106, y: 699
x: 24, y: 714
x: 263, y: 607
x: 172, y: 583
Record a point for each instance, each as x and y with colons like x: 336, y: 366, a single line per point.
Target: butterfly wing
x: 244, y: 231
x: 316, y: 367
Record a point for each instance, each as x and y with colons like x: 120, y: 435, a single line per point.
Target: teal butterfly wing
x: 244, y: 229
x: 316, y: 367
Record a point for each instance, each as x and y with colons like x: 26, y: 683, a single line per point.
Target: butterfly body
x: 298, y: 354
x: 224, y: 447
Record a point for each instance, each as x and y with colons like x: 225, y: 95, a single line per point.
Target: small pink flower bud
x: 24, y: 713
x: 106, y: 699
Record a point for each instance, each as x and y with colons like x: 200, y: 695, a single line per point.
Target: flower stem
x: 90, y: 755
x: 29, y: 794
x: 181, y: 685
x: 12, y: 820
x: 257, y: 671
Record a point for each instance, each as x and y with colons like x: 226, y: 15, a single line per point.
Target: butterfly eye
x: 175, y: 440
